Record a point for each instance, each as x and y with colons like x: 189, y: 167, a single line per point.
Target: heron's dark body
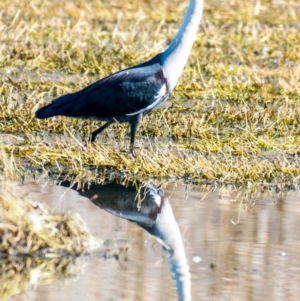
x: 125, y: 96
x: 130, y: 94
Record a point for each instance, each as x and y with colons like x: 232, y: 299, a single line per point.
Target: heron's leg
x: 95, y: 133
x: 134, y: 125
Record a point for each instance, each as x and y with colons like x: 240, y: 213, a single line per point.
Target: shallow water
x: 232, y: 250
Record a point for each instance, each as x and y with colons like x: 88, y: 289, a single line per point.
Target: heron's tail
x: 60, y: 106
x: 44, y: 112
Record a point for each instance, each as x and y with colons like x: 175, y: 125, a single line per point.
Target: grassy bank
x: 233, y: 118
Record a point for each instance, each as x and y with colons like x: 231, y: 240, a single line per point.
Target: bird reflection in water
x: 146, y: 205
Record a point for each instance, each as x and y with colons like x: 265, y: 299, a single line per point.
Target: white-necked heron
x: 132, y: 93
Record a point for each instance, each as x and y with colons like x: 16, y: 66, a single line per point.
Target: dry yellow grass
x: 234, y: 117
x: 39, y: 246
x: 29, y: 228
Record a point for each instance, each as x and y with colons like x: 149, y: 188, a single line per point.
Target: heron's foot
x: 92, y: 138
x: 131, y: 150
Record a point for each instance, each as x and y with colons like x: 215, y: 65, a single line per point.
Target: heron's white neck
x: 175, y: 56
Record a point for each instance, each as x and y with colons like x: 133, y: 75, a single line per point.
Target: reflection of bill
x: 148, y: 208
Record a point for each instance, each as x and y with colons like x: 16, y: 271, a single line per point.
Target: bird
x: 132, y: 93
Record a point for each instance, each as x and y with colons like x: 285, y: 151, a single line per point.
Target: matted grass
x: 39, y: 246
x: 18, y: 274
x: 233, y: 118
x: 30, y: 228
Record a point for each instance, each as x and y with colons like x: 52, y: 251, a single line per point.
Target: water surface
x: 219, y: 245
